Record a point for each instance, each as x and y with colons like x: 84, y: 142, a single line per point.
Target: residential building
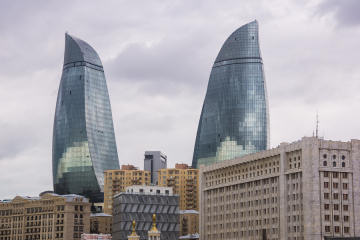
x: 153, y: 162
x: 139, y: 203
x: 100, y: 223
x: 189, y: 223
x: 83, y: 136
x: 87, y: 236
x: 117, y: 180
x: 234, y: 119
x: 49, y: 216
x: 185, y: 183
x: 307, y: 189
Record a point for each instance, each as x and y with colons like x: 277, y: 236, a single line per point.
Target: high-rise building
x: 117, y: 180
x: 50, y: 216
x: 139, y: 203
x: 153, y: 162
x: 234, y: 118
x: 308, y: 189
x: 83, y: 137
x: 185, y: 183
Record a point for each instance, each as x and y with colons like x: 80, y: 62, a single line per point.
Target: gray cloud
x: 157, y: 58
x: 345, y: 12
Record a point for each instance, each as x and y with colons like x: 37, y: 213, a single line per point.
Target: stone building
x: 100, y: 223
x: 49, y: 216
x: 117, y: 180
x: 139, y: 203
x: 185, y: 182
x: 189, y: 222
x: 308, y: 189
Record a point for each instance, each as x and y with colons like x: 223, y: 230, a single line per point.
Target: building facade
x: 87, y: 236
x: 153, y: 162
x: 234, y: 119
x: 100, y: 223
x: 304, y: 190
x: 185, y: 183
x: 50, y: 216
x: 139, y: 203
x: 83, y: 136
x: 189, y: 223
x: 116, y: 181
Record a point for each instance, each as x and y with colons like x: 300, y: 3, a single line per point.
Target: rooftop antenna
x: 317, y: 124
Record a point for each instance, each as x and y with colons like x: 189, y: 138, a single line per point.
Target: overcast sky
x: 157, y: 57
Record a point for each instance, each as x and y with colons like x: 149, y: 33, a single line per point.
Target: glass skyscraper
x: 234, y: 119
x: 83, y: 136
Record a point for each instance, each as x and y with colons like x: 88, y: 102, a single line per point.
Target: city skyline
x: 157, y: 57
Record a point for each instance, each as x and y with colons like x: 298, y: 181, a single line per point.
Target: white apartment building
x: 309, y: 189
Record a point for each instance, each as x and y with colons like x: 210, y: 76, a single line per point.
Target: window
x: 346, y: 218
x: 345, y: 186
x: 326, y: 185
x: 335, y: 175
x: 337, y: 229
x: 324, y: 156
x: 346, y: 207
x: 334, y: 156
x: 343, y: 157
x: 326, y: 174
x: 327, y: 228
x: 335, y: 185
x: 336, y: 206
x: 326, y: 195
x: 344, y: 175
x: 325, y: 163
x: 343, y: 164
x: 336, y: 218
x: 345, y: 196
x: 334, y: 164
x: 346, y: 229
x: 327, y: 217
x: 336, y: 196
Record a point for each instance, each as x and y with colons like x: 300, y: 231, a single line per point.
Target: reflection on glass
x: 234, y: 119
x: 83, y: 136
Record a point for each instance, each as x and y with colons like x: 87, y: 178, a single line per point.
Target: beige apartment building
x: 308, y: 189
x: 185, y: 183
x: 50, y: 216
x: 189, y: 222
x: 115, y: 181
x: 100, y: 223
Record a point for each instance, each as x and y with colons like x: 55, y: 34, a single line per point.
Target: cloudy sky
x: 157, y: 57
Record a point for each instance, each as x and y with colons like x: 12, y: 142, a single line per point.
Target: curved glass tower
x: 234, y: 119
x: 83, y: 135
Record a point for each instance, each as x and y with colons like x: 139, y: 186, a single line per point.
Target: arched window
x: 325, y: 163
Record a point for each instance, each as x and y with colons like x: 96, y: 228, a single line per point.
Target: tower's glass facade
x: 83, y: 135
x: 234, y: 119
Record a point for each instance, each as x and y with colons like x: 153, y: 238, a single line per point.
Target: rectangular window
x: 326, y: 185
x: 346, y: 229
x: 345, y: 186
x: 346, y: 207
x: 327, y: 228
x: 336, y: 196
x: 336, y: 206
x: 326, y: 207
x: 336, y: 218
x: 326, y: 195
x: 337, y: 229
x: 335, y: 185
x: 346, y: 218
x: 345, y: 196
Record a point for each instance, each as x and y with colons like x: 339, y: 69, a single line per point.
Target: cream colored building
x: 189, y: 222
x: 307, y: 189
x: 100, y: 223
x: 50, y: 216
x: 185, y: 183
x: 115, y: 181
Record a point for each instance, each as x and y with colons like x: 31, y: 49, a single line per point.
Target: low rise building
x: 49, y: 216
x: 87, y: 236
x: 185, y: 183
x: 189, y: 222
x: 139, y: 203
x: 115, y: 181
x: 100, y: 223
x: 308, y: 189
